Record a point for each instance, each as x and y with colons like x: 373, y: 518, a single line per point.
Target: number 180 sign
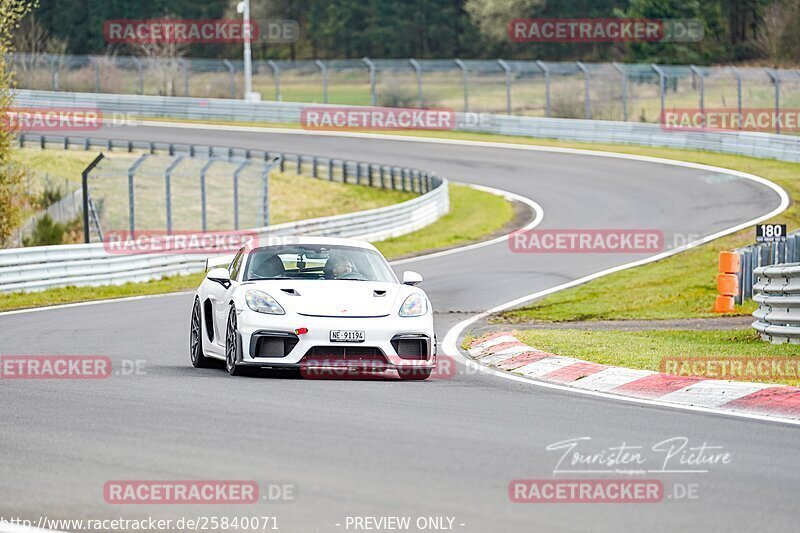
x: 770, y: 232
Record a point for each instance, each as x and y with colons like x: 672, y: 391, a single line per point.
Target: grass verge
x: 473, y: 215
x: 645, y: 349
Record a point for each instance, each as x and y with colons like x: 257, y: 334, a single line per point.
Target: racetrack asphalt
x: 445, y: 447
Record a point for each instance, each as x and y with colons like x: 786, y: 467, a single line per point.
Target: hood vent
x: 379, y: 294
x: 291, y: 292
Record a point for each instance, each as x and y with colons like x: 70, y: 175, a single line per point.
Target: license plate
x: 339, y: 335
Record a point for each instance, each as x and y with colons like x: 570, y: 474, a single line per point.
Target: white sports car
x: 313, y: 303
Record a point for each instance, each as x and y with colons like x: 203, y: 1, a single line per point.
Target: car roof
x: 289, y: 240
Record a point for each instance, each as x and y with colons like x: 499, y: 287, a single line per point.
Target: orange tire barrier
x: 727, y: 281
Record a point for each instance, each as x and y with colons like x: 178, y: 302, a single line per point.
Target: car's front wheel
x: 414, y: 374
x: 231, y: 352
x: 199, y: 360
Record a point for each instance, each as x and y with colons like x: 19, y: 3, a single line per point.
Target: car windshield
x: 318, y: 262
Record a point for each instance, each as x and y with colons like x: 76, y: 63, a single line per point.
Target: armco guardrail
x: 764, y: 254
x: 37, y: 268
x: 762, y: 145
x: 777, y: 293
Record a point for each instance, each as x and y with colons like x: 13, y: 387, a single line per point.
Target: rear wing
x: 219, y: 261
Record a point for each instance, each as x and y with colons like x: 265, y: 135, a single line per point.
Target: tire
x: 231, y: 345
x: 414, y: 374
x: 198, y: 358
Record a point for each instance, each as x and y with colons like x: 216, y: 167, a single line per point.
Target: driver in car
x: 340, y: 267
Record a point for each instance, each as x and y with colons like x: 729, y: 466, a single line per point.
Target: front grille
x: 411, y: 347
x: 343, y: 355
x: 272, y: 343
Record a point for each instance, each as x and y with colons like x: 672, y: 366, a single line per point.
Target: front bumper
x: 272, y: 341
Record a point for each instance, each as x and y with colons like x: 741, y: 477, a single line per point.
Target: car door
x: 220, y: 296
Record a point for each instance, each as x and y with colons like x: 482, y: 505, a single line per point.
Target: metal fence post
x: 697, y: 72
x: 140, y: 69
x: 465, y: 78
x: 373, y: 80
x: 662, y: 84
x: 507, y: 70
x: 96, y: 77
x: 168, y: 190
x: 776, y: 79
x: 418, y: 71
x: 131, y: 199
x: 265, y: 191
x: 587, y: 101
x: 185, y: 65
x: 85, y: 190
x: 624, y: 77
x: 236, y: 192
x: 232, y: 74
x: 276, y: 74
x: 546, y: 72
x: 203, y: 204
x: 738, y: 92
x: 324, y: 70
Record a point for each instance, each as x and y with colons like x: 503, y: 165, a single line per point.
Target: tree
x: 11, y: 13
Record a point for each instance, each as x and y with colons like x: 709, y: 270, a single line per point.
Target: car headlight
x: 261, y: 302
x: 414, y: 305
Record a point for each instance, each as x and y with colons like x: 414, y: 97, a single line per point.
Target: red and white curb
x: 505, y: 352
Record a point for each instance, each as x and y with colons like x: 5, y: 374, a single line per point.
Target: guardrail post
x: 546, y: 72
x: 373, y: 81
x: 324, y: 70
x: 86, y: 143
x: 776, y: 79
x: 624, y: 83
x: 393, y: 171
x: 330, y: 169
x: 236, y: 193
x: 276, y: 74
x: 371, y: 170
x: 85, y: 190
x: 418, y: 71
x: 314, y: 169
x: 465, y: 81
x: 232, y: 75
x: 131, y: 195
x: 203, y: 204
x: 299, y: 163
x: 344, y: 171
x: 507, y: 70
x: 587, y: 100
x: 358, y: 173
x: 382, y: 176
x: 282, y: 162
